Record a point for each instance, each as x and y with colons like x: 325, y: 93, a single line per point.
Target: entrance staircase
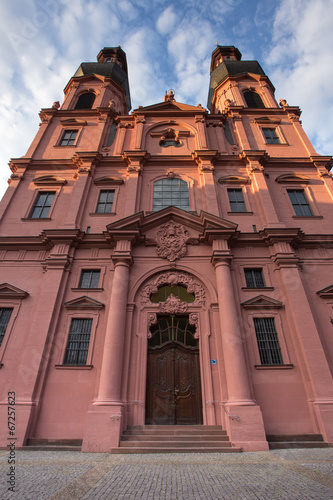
x: 175, y: 439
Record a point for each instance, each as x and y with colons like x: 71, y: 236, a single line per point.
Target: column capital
x: 135, y: 160
x: 254, y: 159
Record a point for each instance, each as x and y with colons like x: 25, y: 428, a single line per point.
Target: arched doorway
x: 173, y: 395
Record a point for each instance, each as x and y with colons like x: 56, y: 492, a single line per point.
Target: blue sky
x: 168, y: 45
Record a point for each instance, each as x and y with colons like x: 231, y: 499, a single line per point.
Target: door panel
x: 173, y: 385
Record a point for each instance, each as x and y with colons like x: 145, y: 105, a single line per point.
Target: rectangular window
x: 268, y: 342
x: 271, y: 136
x: 78, y: 342
x: 5, y: 314
x: 89, y: 278
x: 299, y: 202
x: 42, y: 205
x: 254, y: 278
x: 105, y: 202
x: 68, y: 139
x: 236, y: 200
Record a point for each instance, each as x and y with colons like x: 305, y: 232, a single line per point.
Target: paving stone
x: 276, y: 475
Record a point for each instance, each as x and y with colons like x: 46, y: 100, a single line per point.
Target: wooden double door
x: 173, y: 376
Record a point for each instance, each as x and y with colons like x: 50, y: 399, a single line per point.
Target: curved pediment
x: 108, y: 180
x: 234, y: 179
x: 291, y: 177
x: 55, y: 180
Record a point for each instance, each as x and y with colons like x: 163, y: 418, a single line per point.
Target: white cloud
x: 166, y: 21
x: 301, y: 64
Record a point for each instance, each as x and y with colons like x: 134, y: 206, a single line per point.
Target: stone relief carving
x: 171, y: 241
x: 152, y: 320
x: 194, y: 320
x: 174, y: 278
x: 173, y: 305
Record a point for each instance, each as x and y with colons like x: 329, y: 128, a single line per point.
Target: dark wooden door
x: 173, y: 385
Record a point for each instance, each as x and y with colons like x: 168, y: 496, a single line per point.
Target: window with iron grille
x: 271, y: 136
x: 42, y: 205
x: 169, y: 192
x: 299, y: 202
x: 78, y: 342
x: 5, y: 314
x: 236, y: 200
x: 268, y: 342
x: 105, y: 201
x: 89, y: 278
x: 68, y: 139
x: 254, y: 278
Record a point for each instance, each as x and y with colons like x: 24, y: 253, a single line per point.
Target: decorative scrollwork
x: 171, y: 241
x: 173, y: 305
x: 174, y: 278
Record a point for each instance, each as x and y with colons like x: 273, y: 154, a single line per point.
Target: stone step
x: 160, y: 437
x: 151, y: 432
x: 294, y: 437
x: 153, y: 449
x: 175, y: 444
x: 46, y: 447
x: 294, y: 444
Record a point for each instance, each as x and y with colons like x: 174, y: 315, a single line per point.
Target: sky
x: 168, y: 46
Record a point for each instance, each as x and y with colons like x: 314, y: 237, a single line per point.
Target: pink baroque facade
x: 168, y: 266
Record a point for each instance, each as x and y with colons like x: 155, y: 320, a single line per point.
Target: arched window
x: 253, y: 100
x: 169, y: 192
x: 85, y: 101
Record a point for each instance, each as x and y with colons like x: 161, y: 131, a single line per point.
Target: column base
x: 103, y: 428
x: 324, y: 414
x: 245, y: 427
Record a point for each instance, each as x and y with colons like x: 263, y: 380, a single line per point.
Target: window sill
x: 73, y: 367
x: 87, y: 289
x: 274, y: 367
x: 64, y: 146
x: 307, y: 217
x: 258, y: 289
x: 240, y: 213
x: 25, y: 219
x: 96, y: 214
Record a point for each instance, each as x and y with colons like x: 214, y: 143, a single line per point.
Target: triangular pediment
x: 262, y: 302
x: 8, y: 291
x: 326, y: 293
x: 207, y: 225
x: 84, y: 302
x: 170, y: 106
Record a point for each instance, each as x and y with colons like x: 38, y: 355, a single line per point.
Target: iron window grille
x: 89, y: 278
x: 78, y: 342
x: 268, y: 342
x: 5, y: 314
x: 42, y: 205
x: 271, y: 136
x: 171, y: 192
x: 236, y: 200
x: 299, y: 202
x: 68, y: 139
x: 254, y: 278
x: 105, y: 202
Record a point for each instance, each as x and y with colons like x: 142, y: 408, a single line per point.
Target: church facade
x: 168, y: 266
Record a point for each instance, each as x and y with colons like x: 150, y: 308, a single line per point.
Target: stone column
x: 202, y: 141
x: 205, y: 160
x: 238, y: 121
x: 243, y: 416
x: 255, y: 161
x: 139, y: 124
x: 313, y: 362
x: 135, y: 161
x: 104, y: 420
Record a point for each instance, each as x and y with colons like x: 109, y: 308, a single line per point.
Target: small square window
x: 254, y: 278
x: 89, y: 278
x: 5, y: 314
x: 68, y: 139
x: 105, y: 202
x: 236, y: 200
x: 271, y: 136
x: 42, y: 205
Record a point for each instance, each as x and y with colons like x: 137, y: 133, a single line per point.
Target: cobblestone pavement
x: 280, y: 474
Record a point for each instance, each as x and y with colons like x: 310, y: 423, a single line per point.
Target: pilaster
x: 135, y: 161
x: 205, y: 160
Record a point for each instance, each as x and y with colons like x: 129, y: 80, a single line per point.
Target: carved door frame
x: 146, y: 315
